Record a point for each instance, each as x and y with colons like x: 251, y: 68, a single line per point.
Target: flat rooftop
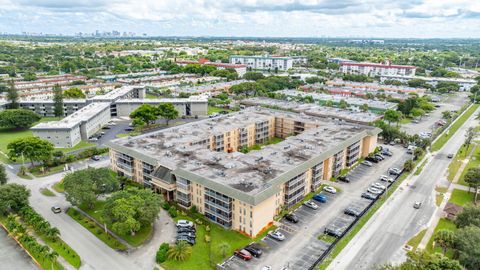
x: 314, y: 109
x: 191, y: 99
x: 84, y: 114
x: 384, y: 105
x: 185, y: 148
x: 116, y: 93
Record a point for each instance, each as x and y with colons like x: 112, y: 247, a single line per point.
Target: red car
x: 243, y: 254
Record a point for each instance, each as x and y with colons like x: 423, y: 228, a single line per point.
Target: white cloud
x: 413, y: 18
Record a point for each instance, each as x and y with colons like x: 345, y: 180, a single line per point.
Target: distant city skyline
x: 252, y: 18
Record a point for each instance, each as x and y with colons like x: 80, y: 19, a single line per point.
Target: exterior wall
x: 368, y: 145
x: 60, y: 138
x: 376, y: 70
x: 46, y: 108
x: 264, y: 63
x: 96, y: 123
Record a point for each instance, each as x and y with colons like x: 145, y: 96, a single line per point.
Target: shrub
x: 207, y: 238
x: 207, y: 228
x: 166, y: 206
x: 198, y: 221
x: 172, y: 212
x: 161, y: 255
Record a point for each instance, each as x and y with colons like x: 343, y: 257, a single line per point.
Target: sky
x: 253, y: 18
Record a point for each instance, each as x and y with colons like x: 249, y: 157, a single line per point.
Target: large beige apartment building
x: 200, y: 164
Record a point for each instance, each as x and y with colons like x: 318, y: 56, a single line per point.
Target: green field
x: 415, y: 241
x: 457, y: 162
x: 461, y: 197
x: 205, y: 255
x: 440, y: 142
x: 212, y: 110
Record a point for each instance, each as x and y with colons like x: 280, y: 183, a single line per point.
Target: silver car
x: 276, y: 235
x: 311, y: 204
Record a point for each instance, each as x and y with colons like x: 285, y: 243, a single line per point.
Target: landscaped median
x: 440, y: 142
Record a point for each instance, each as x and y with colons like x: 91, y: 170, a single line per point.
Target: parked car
x: 93, y: 139
x: 378, y: 156
x: 292, y: 218
x: 374, y: 190
x: 243, y: 254
x: 276, y: 235
x: 371, y: 159
x: 96, y: 158
x: 56, y: 209
x: 344, y: 178
x: 187, y: 234
x: 378, y: 186
x: 184, y: 223
x: 385, y: 178
x: 187, y: 239
x: 106, y: 127
x: 330, y: 189
x: 186, y: 230
x: 369, y: 196
x: 394, y: 171
x: 417, y: 205
x: 367, y: 163
x: 387, y: 153
x: 254, y: 250
x: 266, y: 267
x: 311, y: 205
x: 129, y: 129
x: 352, y: 212
x: 450, y: 156
x: 320, y: 198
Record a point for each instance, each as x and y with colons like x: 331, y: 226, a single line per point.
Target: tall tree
x: 84, y: 186
x: 12, y: 95
x: 32, y: 148
x: 167, y: 111
x: 469, y: 137
x: 58, y: 101
x: 470, y: 215
x: 392, y: 116
x: 18, y: 118
x: 445, y: 239
x: 145, y: 114
x: 130, y: 210
x: 467, y: 245
x: 364, y: 107
x: 12, y: 198
x: 424, y: 261
x: 472, y: 177
x: 3, y: 175
x: 74, y: 93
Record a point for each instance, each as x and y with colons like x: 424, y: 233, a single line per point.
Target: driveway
x: 94, y: 253
x: 302, y: 248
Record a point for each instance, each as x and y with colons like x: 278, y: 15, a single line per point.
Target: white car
x: 378, y: 186
x: 385, y: 178
x: 330, y: 189
x: 394, y: 171
x: 367, y: 163
x: 276, y: 235
x: 184, y: 224
x: 311, y: 204
x: 266, y: 267
x: 374, y: 190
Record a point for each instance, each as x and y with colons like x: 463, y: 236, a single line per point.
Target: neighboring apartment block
x: 200, y: 164
x: 76, y: 127
x: 376, y: 69
x: 270, y: 63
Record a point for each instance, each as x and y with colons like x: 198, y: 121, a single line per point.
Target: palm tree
x: 444, y: 238
x: 180, y: 251
x: 224, y: 248
x: 52, y: 256
x: 53, y: 233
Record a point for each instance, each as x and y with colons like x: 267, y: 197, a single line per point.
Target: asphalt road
x: 383, y: 237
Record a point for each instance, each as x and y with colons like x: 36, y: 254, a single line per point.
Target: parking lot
x: 301, y: 247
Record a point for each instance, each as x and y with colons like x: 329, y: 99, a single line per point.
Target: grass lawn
x: 454, y: 127
x: 47, y: 192
x: 52, y: 170
x: 64, y: 250
x: 80, y: 145
x: 58, y: 187
x: 456, y: 163
x: 273, y: 140
x: 461, y: 197
x: 473, y: 162
x: 96, y: 230
x: 405, y: 121
x: 135, y: 240
x: 415, y: 241
x: 202, y: 252
x: 26, y: 176
x: 212, y: 110
x: 150, y: 96
x: 443, y: 224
